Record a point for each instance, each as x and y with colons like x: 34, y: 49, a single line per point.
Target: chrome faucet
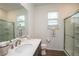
x: 18, y: 42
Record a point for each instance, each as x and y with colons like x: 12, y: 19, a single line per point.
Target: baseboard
x: 55, y: 53
x: 55, y: 49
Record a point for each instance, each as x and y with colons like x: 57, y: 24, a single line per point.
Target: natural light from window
x: 52, y: 18
x: 21, y: 20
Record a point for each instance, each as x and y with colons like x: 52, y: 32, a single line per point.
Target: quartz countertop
x: 29, y: 50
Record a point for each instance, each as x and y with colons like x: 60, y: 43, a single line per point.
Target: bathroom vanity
x: 38, y: 51
x: 29, y: 47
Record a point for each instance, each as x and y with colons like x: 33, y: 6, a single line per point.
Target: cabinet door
x: 69, y: 36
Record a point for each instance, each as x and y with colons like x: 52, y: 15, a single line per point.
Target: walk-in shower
x: 71, y: 29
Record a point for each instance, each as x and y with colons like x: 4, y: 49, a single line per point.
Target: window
x: 21, y: 20
x: 20, y: 26
x: 52, y: 18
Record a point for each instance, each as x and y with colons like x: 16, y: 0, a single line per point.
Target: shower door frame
x: 77, y: 11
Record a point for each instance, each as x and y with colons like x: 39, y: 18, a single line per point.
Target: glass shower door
x: 6, y: 30
x: 76, y: 34
x: 69, y: 36
x: 72, y: 34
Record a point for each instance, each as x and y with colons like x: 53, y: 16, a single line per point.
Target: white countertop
x: 29, y: 50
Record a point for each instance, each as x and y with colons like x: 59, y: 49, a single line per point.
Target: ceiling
x: 10, y: 6
x: 39, y: 4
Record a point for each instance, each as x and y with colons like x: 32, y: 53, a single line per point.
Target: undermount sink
x: 24, y: 49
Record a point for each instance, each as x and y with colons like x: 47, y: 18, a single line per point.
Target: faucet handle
x: 11, y: 45
x: 18, y: 42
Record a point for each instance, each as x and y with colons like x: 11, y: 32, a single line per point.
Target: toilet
x: 43, y: 47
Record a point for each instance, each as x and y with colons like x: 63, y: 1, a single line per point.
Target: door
x: 69, y: 47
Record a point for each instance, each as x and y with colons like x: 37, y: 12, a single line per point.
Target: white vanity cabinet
x: 29, y: 47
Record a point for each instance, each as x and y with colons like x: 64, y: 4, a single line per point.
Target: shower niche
x: 71, y: 29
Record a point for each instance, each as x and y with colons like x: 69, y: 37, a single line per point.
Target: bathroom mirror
x: 13, y: 21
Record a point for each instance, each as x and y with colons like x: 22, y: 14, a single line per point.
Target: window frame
x: 18, y: 27
x: 53, y: 18
x: 20, y: 21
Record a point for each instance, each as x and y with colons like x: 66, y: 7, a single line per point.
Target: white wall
x: 30, y: 13
x: 3, y: 14
x: 41, y: 19
x: 13, y: 14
